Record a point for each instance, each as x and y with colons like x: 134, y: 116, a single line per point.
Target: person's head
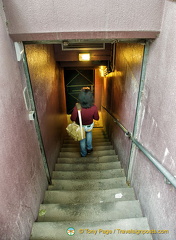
x: 86, y: 97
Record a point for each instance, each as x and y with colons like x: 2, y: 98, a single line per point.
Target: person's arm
x: 96, y: 115
x: 74, y: 114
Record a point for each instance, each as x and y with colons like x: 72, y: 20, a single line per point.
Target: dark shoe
x: 89, y: 151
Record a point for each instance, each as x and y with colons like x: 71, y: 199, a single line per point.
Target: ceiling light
x: 84, y: 56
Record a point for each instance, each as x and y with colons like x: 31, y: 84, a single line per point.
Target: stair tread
x: 90, y: 211
x: 83, y: 184
x: 93, y: 154
x: 94, y: 135
x: 88, y: 174
x: 57, y: 230
x: 94, y: 140
x: 77, y: 149
x: 87, y: 166
x: 76, y: 144
x: 87, y: 196
x: 91, y: 192
x: 88, y: 159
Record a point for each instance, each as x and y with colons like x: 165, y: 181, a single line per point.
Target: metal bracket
x: 167, y: 181
x: 128, y: 134
x: 31, y: 115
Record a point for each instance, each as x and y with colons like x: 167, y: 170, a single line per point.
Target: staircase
x: 90, y: 196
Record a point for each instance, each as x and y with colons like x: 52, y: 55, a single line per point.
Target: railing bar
x: 158, y: 165
x: 117, y: 121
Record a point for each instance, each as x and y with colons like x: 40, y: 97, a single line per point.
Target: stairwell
x: 90, y: 196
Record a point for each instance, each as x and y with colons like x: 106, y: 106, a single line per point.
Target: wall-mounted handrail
x: 171, y: 179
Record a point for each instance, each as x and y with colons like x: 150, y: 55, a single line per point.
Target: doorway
x: 74, y: 80
x: 58, y: 76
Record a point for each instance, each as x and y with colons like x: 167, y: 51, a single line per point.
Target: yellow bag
x: 75, y: 131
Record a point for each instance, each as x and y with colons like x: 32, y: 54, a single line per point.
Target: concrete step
x: 94, y: 134
x: 91, y: 192
x: 77, y: 149
x: 87, y: 166
x: 88, y: 184
x: 100, y: 136
x: 103, y: 174
x: 98, y: 129
x: 88, y: 159
x: 76, y: 144
x: 100, y: 133
x: 97, y: 141
x: 93, y: 154
x: 109, y: 230
x: 89, y: 212
x: 87, y: 196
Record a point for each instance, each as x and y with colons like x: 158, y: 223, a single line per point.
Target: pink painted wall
x: 46, y: 20
x: 22, y: 175
x: 157, y: 130
x: 120, y: 96
x: 49, y: 94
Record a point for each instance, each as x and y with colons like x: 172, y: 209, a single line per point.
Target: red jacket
x: 87, y: 114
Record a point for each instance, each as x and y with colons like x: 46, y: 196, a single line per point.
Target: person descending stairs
x: 89, y: 197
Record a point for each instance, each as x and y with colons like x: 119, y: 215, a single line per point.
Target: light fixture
x: 84, y: 56
x: 103, y: 71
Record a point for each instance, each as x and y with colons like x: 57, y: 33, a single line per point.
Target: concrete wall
x: 80, y: 19
x: 120, y: 96
x: 22, y: 175
x: 49, y: 94
x: 157, y: 130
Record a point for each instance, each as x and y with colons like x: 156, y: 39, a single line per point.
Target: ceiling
x: 67, y: 54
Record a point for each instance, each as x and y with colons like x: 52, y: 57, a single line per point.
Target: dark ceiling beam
x: 90, y: 64
x: 72, y: 55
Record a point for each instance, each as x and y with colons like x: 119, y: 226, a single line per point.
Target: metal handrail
x: 169, y: 177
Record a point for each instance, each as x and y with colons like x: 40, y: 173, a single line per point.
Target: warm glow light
x: 119, y: 73
x: 84, y: 56
x: 103, y: 71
